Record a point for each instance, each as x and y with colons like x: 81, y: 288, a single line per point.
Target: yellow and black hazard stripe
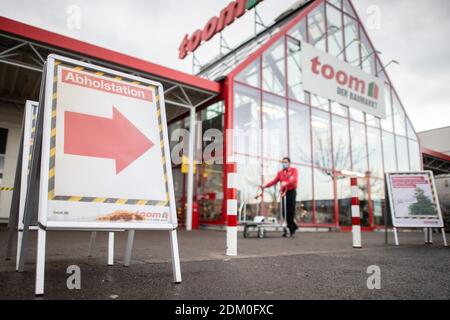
x: 6, y: 189
x: 51, y: 175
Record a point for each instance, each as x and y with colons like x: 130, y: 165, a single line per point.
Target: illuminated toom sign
x: 339, y: 81
x: 233, y: 11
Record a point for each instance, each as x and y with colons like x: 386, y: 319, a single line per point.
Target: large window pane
x: 305, y: 195
x: 336, y: 3
x: 209, y: 180
x: 295, y: 78
x: 378, y: 202
x: 335, y: 33
x: 387, y: 124
x: 351, y: 41
x: 372, y: 120
x: 246, y: 120
x: 324, y: 196
x: 339, y: 109
x: 410, y: 130
x: 320, y: 103
x: 399, y: 117
x: 341, y: 144
x: 316, y: 28
x: 356, y: 115
x: 415, y: 156
x: 274, y: 69
x: 271, y: 204
x: 363, y: 195
x: 321, y: 139
x: 375, y: 154
x: 300, y: 133
x: 274, y: 127
x: 248, y: 180
x: 389, y: 152
x: 359, y: 148
x: 348, y: 8
x: 367, y: 54
x: 402, y: 153
x: 299, y: 31
x: 251, y: 74
x: 344, y: 196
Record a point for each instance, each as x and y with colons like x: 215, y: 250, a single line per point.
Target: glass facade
x: 273, y: 116
x: 321, y: 137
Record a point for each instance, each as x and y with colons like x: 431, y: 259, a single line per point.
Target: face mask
x: 285, y: 166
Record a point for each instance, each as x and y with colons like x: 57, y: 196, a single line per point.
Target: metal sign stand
x: 38, y: 200
x: 428, y: 232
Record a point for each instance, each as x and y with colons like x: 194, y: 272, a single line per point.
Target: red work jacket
x: 288, y: 179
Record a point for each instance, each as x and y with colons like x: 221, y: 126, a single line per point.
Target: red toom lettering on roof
x: 228, y: 15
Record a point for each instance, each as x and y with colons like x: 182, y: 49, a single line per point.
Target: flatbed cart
x: 262, y: 224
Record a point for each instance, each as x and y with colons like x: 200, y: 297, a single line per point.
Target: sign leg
x: 110, y: 248
x: 175, y: 256
x: 396, y: 237
x: 129, y: 248
x: 444, y: 238
x: 40, y: 262
x: 428, y: 235
x: 19, y: 246
x: 92, y: 243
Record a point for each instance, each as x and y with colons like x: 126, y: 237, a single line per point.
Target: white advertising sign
x: 105, y: 150
x: 339, y: 81
x: 413, y: 200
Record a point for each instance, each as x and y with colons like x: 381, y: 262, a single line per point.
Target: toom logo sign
x: 227, y: 16
x: 336, y: 80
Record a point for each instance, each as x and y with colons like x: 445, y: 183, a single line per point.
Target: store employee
x: 288, y: 178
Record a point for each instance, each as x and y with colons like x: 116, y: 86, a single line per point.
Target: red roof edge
x: 435, y: 154
x: 53, y: 39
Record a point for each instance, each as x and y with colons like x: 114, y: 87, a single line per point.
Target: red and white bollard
x: 231, y: 209
x: 356, y: 215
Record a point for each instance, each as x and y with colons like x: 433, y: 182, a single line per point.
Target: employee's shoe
x: 286, y: 233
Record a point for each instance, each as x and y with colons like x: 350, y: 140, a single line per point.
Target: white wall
x: 437, y: 140
x: 11, y: 119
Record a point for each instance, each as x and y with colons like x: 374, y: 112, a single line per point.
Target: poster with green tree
x: 424, y: 206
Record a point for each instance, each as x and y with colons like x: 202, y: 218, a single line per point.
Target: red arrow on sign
x: 93, y: 136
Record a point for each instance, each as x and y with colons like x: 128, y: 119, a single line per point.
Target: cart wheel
x: 261, y: 233
x: 246, y: 232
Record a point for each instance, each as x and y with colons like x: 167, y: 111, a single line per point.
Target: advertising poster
x: 413, y: 200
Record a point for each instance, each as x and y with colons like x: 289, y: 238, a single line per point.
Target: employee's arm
x: 273, y: 182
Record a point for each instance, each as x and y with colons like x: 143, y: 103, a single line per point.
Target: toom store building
x: 311, y: 86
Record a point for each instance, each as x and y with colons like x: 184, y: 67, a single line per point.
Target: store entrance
x: 208, y: 168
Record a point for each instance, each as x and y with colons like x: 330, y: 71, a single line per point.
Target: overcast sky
x: 414, y: 32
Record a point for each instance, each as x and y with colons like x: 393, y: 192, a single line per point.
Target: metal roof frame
x: 181, y: 89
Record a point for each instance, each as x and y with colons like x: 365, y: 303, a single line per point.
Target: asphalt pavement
x: 308, y: 266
